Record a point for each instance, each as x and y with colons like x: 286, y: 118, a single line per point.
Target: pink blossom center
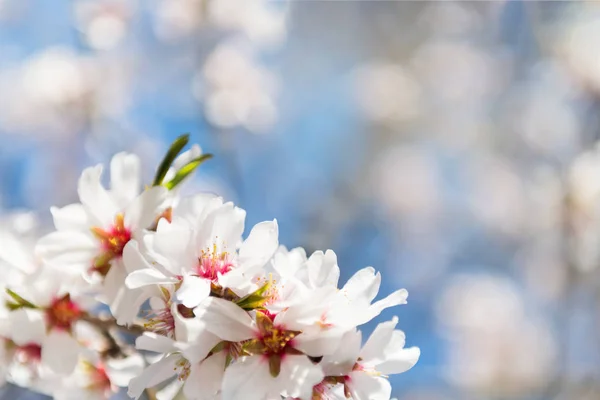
x: 112, y: 243
x: 162, y: 323
x: 62, y: 313
x: 212, y: 263
x: 29, y: 352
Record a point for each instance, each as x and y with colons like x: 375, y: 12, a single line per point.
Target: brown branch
x: 106, y: 324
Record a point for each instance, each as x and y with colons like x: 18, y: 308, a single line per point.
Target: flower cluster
x: 214, y: 315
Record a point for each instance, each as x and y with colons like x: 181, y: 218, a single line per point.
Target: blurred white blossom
x: 235, y: 90
x: 497, y: 348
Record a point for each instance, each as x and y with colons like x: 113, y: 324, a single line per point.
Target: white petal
x: 126, y: 305
x: 197, y: 350
x: 248, y: 379
x: 27, y: 326
x: 196, y: 208
x: 125, y: 177
x: 298, y: 376
x: 204, y: 382
x: 223, y: 227
x: 95, y: 198
x: 261, y: 244
x: 226, y: 320
x: 193, y: 290
x: 153, y: 375
x: 174, y: 242
x: 400, y: 361
x: 287, y: 263
x: 321, y: 343
x: 374, y: 350
x: 395, y: 299
x: 157, y: 343
x: 145, y: 277
x: 363, y: 285
x: 323, y: 269
x: 67, y: 247
x: 342, y: 361
x: 60, y: 352
x: 133, y: 258
x: 121, y: 370
x: 366, y: 387
x: 144, y: 209
x: 71, y: 217
x: 170, y: 390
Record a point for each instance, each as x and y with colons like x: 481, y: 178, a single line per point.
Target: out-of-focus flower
x: 176, y: 19
x: 387, y: 92
x: 263, y: 22
x: 496, y: 347
x: 457, y: 73
x: 576, y: 46
x: 52, y: 85
x: 103, y: 23
x: 235, y: 90
x: 407, y: 182
x: 497, y: 193
x: 584, y: 198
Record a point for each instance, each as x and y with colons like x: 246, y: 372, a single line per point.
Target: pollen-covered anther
x: 183, y: 369
x: 63, y: 313
x: 213, y: 263
x: 162, y: 322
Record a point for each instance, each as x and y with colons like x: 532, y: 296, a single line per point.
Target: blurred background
x: 449, y: 144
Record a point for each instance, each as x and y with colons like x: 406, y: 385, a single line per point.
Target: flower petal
x: 323, y: 269
x: 125, y: 177
x: 27, y: 326
x: 71, y: 217
x: 60, y: 352
x: 298, y: 376
x: 205, y: 379
x: 121, y: 371
x: 95, y: 198
x: 144, y: 209
x: 366, y: 387
x: 400, y: 361
x: 157, y: 343
x: 363, y: 286
x: 248, y: 379
x: 153, y: 375
x: 261, y: 244
x: 67, y: 247
x: 226, y: 320
x: 193, y: 290
x: 374, y: 350
x: 146, y: 277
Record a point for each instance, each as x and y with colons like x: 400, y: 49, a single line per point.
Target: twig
x: 110, y: 323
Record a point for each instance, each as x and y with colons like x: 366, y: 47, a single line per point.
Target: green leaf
x: 176, y: 147
x: 186, y: 170
x: 19, y: 301
x: 255, y: 299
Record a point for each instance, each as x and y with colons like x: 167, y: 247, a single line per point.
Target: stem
x: 106, y: 324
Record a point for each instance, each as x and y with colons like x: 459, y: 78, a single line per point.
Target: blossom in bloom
x: 201, y: 251
x: 274, y: 365
x: 363, y: 372
x: 43, y: 315
x: 96, y: 379
x: 91, y: 235
x: 228, y: 317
